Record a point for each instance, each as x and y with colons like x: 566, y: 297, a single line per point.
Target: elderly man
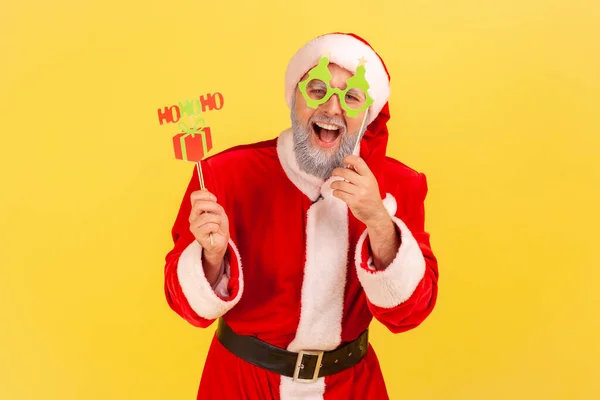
x: 313, y: 235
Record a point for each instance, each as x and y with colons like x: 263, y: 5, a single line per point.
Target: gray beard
x: 314, y: 160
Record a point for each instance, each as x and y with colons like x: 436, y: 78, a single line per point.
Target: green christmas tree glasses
x: 316, y: 89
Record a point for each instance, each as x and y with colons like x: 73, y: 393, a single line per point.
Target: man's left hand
x: 360, y: 191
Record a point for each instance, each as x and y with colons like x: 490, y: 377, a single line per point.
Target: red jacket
x: 298, y: 273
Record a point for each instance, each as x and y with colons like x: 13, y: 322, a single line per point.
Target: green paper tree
x: 359, y: 81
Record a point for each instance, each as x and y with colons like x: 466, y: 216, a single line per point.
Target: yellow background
x: 496, y: 101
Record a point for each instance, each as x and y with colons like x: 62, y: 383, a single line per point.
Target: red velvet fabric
x: 267, y: 215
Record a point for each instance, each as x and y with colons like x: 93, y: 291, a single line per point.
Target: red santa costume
x: 299, y: 273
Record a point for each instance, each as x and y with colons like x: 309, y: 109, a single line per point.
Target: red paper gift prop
x: 192, y: 146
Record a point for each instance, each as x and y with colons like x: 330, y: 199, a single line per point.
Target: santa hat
x: 345, y: 50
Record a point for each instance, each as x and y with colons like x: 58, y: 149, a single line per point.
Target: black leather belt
x: 306, y: 366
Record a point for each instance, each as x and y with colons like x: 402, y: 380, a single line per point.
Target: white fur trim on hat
x: 345, y: 51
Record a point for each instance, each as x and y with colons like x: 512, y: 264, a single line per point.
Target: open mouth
x: 326, y: 134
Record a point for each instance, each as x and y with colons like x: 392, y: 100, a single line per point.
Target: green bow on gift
x: 194, y: 130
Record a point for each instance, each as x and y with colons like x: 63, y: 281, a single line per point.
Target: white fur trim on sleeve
x: 196, y: 289
x: 395, y: 284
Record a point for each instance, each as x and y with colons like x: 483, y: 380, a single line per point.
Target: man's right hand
x: 207, y: 217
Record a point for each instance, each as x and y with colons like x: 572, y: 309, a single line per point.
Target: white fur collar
x: 312, y: 186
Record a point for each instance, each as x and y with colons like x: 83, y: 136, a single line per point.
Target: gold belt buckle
x: 300, y: 365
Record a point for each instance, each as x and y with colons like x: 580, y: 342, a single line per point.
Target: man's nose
x: 332, y: 106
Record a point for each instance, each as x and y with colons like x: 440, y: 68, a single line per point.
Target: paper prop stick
x: 364, y: 85
x: 360, y: 132
x: 201, y: 177
x: 192, y: 145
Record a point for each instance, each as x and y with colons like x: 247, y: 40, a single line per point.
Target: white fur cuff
x: 395, y: 284
x: 198, y: 292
